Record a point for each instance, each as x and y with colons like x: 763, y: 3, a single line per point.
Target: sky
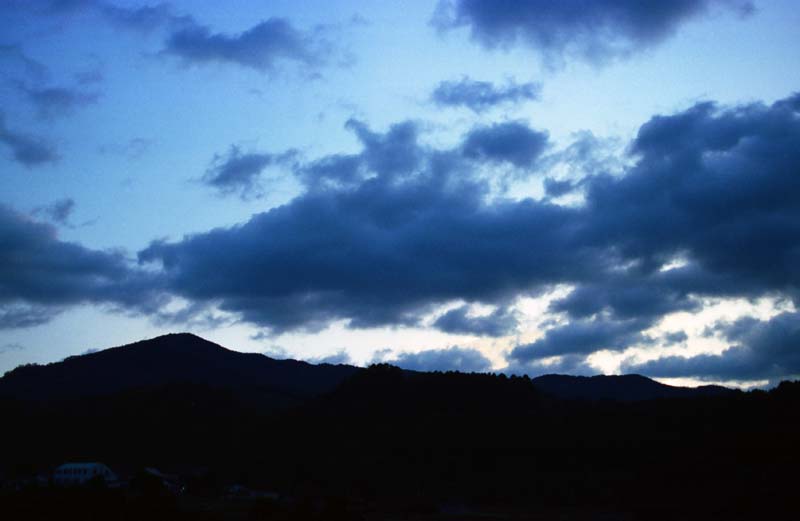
x: 580, y: 187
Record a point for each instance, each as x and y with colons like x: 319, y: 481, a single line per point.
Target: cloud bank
x: 595, y: 30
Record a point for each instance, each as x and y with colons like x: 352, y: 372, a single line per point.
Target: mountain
x: 624, y: 388
x: 180, y: 358
x: 184, y: 358
x: 402, y: 443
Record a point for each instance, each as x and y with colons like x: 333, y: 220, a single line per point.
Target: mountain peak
x: 168, y: 359
x: 175, y: 341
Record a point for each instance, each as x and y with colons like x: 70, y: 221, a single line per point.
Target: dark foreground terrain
x: 337, y: 442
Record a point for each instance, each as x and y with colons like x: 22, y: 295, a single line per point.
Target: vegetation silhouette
x: 388, y: 443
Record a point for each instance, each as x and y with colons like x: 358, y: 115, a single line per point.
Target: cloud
x: 12, y: 346
x: 513, y: 142
x: 15, y: 64
x: 18, y: 315
x: 261, y: 47
x: 465, y: 360
x: 413, y: 234
x: 582, y: 337
x: 53, y: 102
x: 763, y: 349
x: 144, y: 18
x: 58, y: 211
x: 339, y: 357
x: 41, y: 275
x: 389, y: 234
x: 27, y: 149
x: 407, y: 228
x: 593, y: 30
x: 480, y: 96
x: 574, y: 364
x: 237, y: 172
x: 674, y: 337
x: 500, y: 322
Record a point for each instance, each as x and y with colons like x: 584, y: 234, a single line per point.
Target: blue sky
x: 582, y: 187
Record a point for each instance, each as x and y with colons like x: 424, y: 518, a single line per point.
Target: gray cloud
x: 406, y: 228
x: 595, y: 30
x: 385, y: 236
x: 500, y: 322
x: 261, y: 47
x: 41, y: 275
x: 480, y: 96
x: 27, y: 149
x: 761, y: 350
x: 239, y: 173
x: 58, y: 211
x: 513, y: 142
x: 412, y: 234
x: 53, y: 102
x: 582, y: 337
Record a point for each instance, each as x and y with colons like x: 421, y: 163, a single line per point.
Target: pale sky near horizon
x: 581, y: 187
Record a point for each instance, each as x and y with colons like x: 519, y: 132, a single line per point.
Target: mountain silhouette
x: 405, y: 442
x: 625, y: 388
x: 184, y: 358
x: 181, y: 358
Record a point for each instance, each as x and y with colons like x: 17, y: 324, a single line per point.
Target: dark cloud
x: 52, y: 102
x: 415, y: 233
x: 336, y: 171
x: 765, y: 349
x: 675, y: 337
x: 383, y: 237
x: 58, y: 211
x: 558, y: 187
x: 500, y: 322
x: 595, y: 30
x: 465, y: 360
x: 582, y: 337
x: 19, y: 315
x: 239, y: 173
x: 715, y: 188
x: 261, y: 47
x: 623, y: 297
x: 40, y: 274
x: 392, y: 154
x: 513, y: 142
x: 27, y: 149
x: 479, y: 96
x: 406, y: 228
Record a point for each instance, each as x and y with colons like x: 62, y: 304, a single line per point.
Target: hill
x: 180, y: 358
x: 624, y: 388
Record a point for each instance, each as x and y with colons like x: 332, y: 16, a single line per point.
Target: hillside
x: 170, y: 359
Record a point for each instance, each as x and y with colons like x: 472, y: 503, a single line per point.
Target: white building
x: 80, y: 473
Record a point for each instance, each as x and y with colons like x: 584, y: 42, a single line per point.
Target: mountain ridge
x: 188, y: 358
x: 167, y: 359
